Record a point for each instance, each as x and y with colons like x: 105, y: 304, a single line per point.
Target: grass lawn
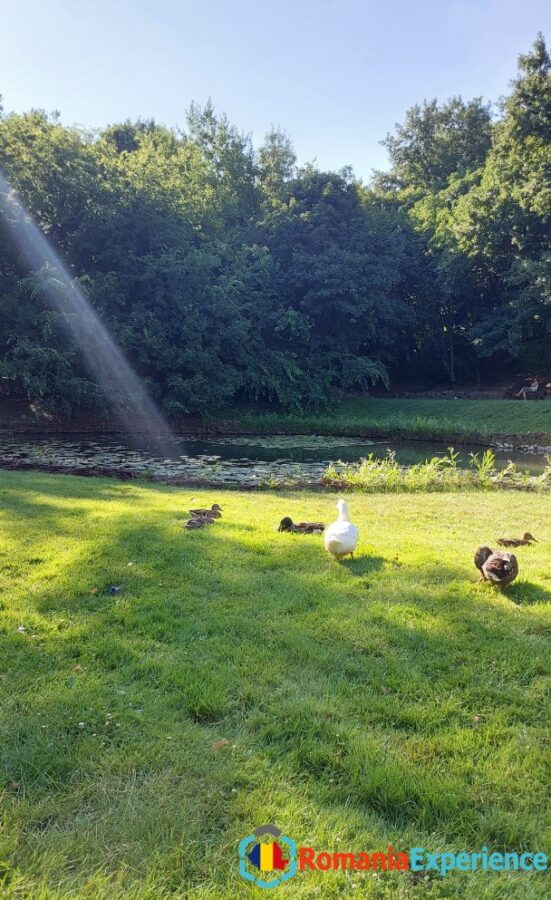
x: 243, y: 677
x: 428, y: 419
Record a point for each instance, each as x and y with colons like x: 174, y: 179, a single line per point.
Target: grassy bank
x: 460, y: 420
x: 242, y: 676
x: 476, y: 421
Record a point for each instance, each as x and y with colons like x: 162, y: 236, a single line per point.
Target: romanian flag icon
x: 267, y: 857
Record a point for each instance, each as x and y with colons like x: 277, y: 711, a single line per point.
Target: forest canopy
x: 227, y: 273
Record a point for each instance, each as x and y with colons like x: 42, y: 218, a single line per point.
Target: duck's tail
x: 335, y: 546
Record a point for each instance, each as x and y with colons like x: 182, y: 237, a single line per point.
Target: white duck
x: 341, y: 537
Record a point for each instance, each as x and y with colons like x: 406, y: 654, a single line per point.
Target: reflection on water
x: 231, y: 460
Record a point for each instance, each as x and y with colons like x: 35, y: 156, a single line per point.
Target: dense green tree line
x: 227, y: 273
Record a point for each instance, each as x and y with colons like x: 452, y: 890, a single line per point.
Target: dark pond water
x: 232, y: 460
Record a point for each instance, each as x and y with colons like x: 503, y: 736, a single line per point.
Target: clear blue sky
x: 335, y: 74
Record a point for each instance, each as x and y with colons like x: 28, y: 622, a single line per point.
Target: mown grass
x: 469, y: 420
x: 242, y: 676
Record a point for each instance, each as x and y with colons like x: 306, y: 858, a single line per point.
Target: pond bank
x: 17, y: 465
x: 512, y: 424
x: 370, y: 475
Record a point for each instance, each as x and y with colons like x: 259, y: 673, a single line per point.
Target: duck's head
x: 342, y: 507
x: 217, y: 507
x: 286, y: 524
x: 481, y: 555
x: 529, y: 537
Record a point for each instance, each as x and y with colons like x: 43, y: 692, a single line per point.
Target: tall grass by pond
x: 440, y: 473
x: 424, y: 419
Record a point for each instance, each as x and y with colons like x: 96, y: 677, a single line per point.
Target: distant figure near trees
x: 531, y: 388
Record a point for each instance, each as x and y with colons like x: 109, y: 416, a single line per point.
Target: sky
x: 336, y: 75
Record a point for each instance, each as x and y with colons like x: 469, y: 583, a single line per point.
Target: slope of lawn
x: 426, y: 419
x: 244, y: 677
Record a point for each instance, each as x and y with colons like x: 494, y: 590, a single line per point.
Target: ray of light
x: 130, y: 402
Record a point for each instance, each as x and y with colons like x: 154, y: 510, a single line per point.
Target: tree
x: 276, y: 162
x: 503, y: 223
x: 229, y: 274
x: 438, y: 141
x: 339, y: 258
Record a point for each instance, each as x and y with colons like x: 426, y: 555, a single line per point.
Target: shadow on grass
x: 363, y: 565
x: 525, y: 593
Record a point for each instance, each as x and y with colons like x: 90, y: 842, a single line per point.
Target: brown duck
x: 525, y: 540
x: 215, y: 512
x: 199, y: 522
x: 287, y: 524
x: 495, y: 566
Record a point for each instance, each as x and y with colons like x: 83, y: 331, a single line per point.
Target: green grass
x: 425, y: 419
x: 470, y: 420
x: 439, y: 473
x: 384, y: 700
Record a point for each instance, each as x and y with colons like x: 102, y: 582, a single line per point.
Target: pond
x: 231, y: 460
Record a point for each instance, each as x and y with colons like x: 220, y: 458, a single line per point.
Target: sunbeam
x: 105, y: 360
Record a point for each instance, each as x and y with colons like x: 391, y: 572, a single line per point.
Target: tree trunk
x: 451, y: 358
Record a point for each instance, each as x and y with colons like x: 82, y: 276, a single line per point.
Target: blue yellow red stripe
x: 267, y: 857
